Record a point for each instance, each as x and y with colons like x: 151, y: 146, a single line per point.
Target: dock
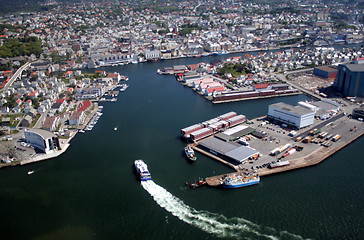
x: 215, y: 157
x: 312, y: 155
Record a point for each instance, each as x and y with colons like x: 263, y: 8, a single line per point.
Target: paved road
x: 283, y: 78
x: 16, y: 75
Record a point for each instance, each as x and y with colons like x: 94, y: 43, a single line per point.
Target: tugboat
x: 200, y: 183
x: 190, y: 153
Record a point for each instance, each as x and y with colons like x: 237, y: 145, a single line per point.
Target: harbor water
x: 92, y: 191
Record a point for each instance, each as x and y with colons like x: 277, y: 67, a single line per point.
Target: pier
x: 311, y: 155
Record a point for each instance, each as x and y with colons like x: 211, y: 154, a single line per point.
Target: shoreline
x: 311, y: 159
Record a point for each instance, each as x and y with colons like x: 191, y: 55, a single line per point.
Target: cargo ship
x: 142, y: 169
x: 190, y: 153
x: 238, y: 181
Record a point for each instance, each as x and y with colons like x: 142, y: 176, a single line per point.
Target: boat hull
x: 142, y: 170
x: 239, y: 185
x: 190, y: 154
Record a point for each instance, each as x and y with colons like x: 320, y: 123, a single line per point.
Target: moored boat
x: 238, y: 181
x: 142, y: 169
x: 190, y: 153
x: 200, y: 183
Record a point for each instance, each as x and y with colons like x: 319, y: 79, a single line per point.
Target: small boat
x: 115, y: 128
x: 190, y: 153
x: 200, y: 183
x: 30, y: 172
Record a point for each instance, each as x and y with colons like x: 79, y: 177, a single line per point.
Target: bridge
x: 16, y: 75
x: 315, y: 40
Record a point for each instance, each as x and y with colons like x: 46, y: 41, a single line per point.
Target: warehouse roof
x: 242, y: 153
x: 45, y: 134
x: 327, y: 69
x: 355, y: 67
x: 293, y: 109
x: 327, y: 105
x: 218, y: 145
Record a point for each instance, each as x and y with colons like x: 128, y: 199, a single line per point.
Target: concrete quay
x: 312, y: 153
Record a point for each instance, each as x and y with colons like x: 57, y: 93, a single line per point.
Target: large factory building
x: 296, y: 116
x: 350, y: 80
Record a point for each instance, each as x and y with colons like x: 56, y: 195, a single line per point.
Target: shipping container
x: 307, y: 139
x: 324, y: 134
x: 289, y: 152
x: 274, y: 151
x: 298, y: 139
x: 285, y: 147
x: 336, y: 138
x: 279, y: 164
x: 329, y: 137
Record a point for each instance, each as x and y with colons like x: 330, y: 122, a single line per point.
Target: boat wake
x: 212, y: 223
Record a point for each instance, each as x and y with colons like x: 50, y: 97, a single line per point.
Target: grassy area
x: 234, y: 69
x: 58, y: 127
x: 35, y: 120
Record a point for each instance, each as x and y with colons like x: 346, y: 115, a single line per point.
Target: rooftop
x: 293, y: 109
x: 355, y: 67
x: 45, y: 134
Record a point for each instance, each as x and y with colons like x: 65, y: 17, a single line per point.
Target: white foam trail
x: 210, y: 222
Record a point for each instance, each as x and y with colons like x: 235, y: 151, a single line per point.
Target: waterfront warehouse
x: 296, y: 116
x: 42, y: 140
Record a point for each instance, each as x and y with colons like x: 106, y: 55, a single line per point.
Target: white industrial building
x: 323, y: 109
x: 42, y: 140
x: 297, y: 116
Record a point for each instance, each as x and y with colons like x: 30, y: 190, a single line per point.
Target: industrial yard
x: 265, y: 146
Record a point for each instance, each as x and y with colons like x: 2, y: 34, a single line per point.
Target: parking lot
x: 277, y: 136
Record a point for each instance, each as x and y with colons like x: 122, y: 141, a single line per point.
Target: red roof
x: 33, y: 93
x: 261, y: 85
x: 60, y: 100
x: 84, y: 106
x: 215, y: 89
x: 113, y: 75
